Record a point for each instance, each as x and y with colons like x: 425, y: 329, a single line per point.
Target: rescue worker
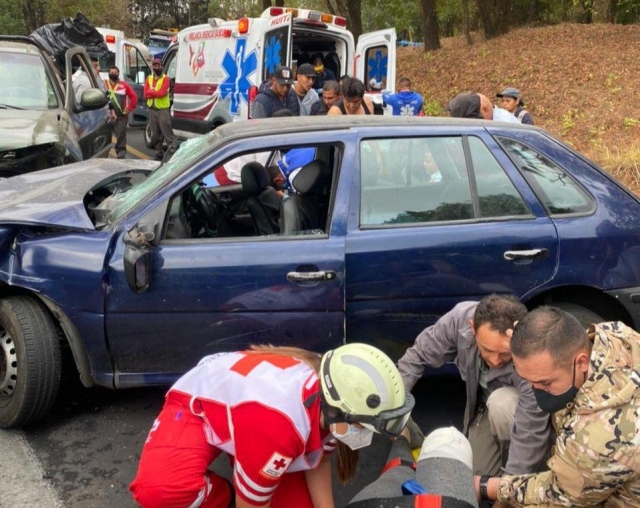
x: 156, y: 91
x: 590, y: 383
x: 404, y: 103
x: 506, y: 428
x: 511, y: 100
x: 323, y: 73
x: 122, y: 100
x: 276, y: 95
x: 277, y: 412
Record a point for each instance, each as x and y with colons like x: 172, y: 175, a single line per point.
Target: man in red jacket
x: 122, y: 100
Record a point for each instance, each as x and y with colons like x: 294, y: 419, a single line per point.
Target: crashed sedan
x: 137, y: 270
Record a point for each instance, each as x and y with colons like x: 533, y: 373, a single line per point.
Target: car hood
x: 23, y: 128
x: 54, y: 197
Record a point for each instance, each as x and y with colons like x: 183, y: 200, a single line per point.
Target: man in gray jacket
x: 506, y: 429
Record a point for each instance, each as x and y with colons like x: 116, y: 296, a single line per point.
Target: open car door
x: 134, y: 69
x: 375, y: 62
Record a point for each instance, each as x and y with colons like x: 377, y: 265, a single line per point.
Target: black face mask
x: 113, y: 77
x: 550, y: 403
x: 157, y: 72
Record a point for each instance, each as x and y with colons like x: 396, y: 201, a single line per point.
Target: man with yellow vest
x: 122, y: 100
x: 156, y: 91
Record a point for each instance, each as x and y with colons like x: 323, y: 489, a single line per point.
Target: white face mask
x: 355, y: 438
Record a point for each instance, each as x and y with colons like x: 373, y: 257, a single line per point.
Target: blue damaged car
x: 137, y: 270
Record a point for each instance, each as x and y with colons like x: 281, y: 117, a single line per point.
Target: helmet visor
x: 389, y: 422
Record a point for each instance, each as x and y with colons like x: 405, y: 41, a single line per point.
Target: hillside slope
x: 580, y: 82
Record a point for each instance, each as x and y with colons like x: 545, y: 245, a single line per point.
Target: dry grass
x: 579, y: 82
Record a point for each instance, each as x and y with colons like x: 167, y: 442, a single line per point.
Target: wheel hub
x: 8, y: 364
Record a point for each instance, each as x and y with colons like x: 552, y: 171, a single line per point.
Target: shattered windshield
x: 25, y: 83
x: 189, y: 153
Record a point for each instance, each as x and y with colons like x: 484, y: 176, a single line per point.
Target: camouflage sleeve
x: 578, y: 477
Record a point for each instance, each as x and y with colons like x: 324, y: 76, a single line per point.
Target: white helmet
x: 361, y: 384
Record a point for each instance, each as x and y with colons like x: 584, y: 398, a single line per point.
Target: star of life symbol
x: 237, y: 67
x: 378, y: 66
x: 407, y: 110
x: 276, y: 466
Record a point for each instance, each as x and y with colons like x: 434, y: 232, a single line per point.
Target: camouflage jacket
x: 596, y: 460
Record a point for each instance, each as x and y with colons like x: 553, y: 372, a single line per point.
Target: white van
x: 134, y: 61
x: 219, y: 66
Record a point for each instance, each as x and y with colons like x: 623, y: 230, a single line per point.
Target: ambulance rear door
x: 275, y: 44
x: 375, y: 62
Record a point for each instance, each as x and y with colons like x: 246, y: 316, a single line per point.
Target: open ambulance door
x: 375, y: 63
x: 134, y: 60
x: 275, y: 45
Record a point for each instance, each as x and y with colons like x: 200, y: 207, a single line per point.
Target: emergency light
x: 243, y: 25
x: 110, y: 39
x: 276, y: 11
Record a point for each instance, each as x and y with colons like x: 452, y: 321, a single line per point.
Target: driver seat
x: 263, y: 201
x: 302, y: 211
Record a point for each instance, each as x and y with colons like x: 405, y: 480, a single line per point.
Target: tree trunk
x: 431, y: 30
x: 494, y: 15
x: 613, y: 10
x: 354, y: 17
x: 466, y: 22
x: 266, y: 4
x: 34, y: 13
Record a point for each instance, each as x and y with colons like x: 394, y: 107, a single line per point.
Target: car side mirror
x: 138, y: 259
x: 93, y: 99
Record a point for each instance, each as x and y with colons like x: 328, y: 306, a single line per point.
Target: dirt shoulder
x: 580, y: 82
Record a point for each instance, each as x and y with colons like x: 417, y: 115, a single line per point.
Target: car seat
x: 332, y: 61
x: 301, y: 211
x: 263, y: 201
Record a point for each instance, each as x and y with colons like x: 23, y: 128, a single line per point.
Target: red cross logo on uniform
x: 276, y: 466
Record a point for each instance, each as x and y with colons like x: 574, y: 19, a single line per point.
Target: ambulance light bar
x: 302, y: 15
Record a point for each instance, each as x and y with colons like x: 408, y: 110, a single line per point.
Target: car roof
x: 288, y: 125
x: 18, y: 44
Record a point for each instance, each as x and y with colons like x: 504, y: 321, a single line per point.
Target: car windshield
x: 159, y: 43
x: 190, y: 151
x: 25, y: 83
x: 107, y: 61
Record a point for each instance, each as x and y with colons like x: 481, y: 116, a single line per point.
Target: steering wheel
x: 206, y: 206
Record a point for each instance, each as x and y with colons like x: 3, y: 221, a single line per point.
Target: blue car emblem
x: 237, y: 68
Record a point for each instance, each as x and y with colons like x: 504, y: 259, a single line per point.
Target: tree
x: 466, y: 22
x: 431, y: 30
x: 494, y: 15
x: 350, y: 9
x: 34, y: 12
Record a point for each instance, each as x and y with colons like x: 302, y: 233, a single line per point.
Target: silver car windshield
x: 25, y: 83
x: 189, y: 152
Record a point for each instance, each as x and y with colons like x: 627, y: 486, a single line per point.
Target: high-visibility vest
x: 163, y: 102
x: 112, y: 94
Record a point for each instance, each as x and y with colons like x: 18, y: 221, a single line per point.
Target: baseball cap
x: 465, y: 105
x: 283, y: 75
x: 157, y: 61
x: 510, y: 92
x: 307, y: 70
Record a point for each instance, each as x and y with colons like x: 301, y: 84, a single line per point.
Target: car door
x: 218, y: 294
x: 134, y: 70
x: 86, y: 129
x: 375, y: 61
x: 436, y: 219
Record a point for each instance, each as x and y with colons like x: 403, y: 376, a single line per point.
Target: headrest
x: 254, y: 178
x: 311, y: 177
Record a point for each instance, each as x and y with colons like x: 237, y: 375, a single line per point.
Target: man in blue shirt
x: 404, y: 103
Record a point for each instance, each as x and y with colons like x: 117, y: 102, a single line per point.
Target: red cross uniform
x: 261, y: 409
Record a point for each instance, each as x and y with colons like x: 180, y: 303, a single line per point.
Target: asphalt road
x: 87, y: 450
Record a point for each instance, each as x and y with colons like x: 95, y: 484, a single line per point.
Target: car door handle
x: 515, y: 255
x: 321, y: 276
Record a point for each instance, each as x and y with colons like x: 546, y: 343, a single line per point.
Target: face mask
x: 355, y: 438
x: 550, y: 403
x: 157, y: 72
x: 113, y: 77
x: 319, y: 68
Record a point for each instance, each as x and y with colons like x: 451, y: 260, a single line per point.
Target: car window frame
x: 471, y: 180
x: 535, y: 186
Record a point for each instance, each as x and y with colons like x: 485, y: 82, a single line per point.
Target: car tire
x: 148, y: 135
x: 30, y: 365
x: 586, y: 316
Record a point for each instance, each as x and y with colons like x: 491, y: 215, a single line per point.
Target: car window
x: 422, y: 180
x: 557, y: 190
x: 171, y: 68
x: 497, y: 196
x: 30, y: 86
x: 280, y: 192
x: 136, y: 68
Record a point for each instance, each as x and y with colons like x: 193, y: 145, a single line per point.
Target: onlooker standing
x: 122, y: 100
x: 511, y: 100
x: 404, y: 103
x: 331, y: 93
x: 476, y: 105
x: 353, y: 101
x: 156, y: 91
x: 303, y: 88
x: 276, y: 97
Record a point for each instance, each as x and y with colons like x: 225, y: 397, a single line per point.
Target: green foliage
x: 432, y: 107
x: 630, y: 122
x: 234, y: 9
x: 11, y: 18
x: 405, y: 16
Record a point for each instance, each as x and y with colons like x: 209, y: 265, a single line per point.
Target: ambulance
x: 133, y: 59
x: 219, y: 66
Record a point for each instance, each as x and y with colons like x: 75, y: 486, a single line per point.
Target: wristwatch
x: 484, y: 479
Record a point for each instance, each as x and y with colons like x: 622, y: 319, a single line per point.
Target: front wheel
x: 586, y: 316
x: 30, y: 365
x: 148, y: 135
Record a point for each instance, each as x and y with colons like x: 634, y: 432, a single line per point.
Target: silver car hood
x: 54, y: 197
x: 24, y: 128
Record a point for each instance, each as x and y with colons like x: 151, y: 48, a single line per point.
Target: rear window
x: 555, y: 188
x: 25, y: 83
